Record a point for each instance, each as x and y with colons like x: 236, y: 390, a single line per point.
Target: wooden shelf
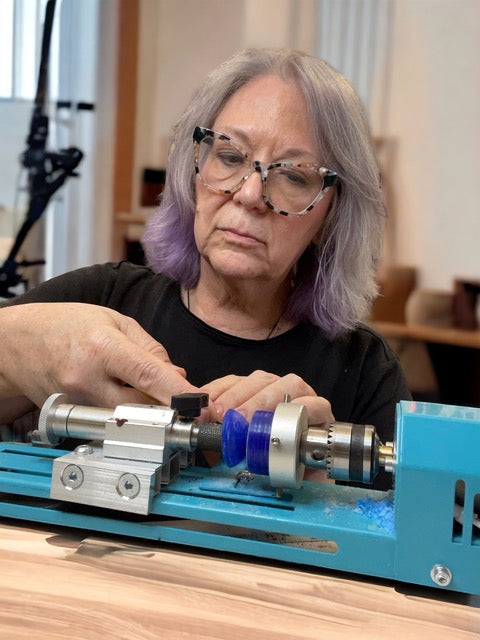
x: 428, y: 333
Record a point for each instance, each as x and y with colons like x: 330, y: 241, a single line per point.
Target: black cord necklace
x: 273, y: 330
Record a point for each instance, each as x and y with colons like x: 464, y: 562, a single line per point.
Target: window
x: 21, y: 23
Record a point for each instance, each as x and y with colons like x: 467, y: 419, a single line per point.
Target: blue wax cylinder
x: 258, y: 442
x: 234, y: 437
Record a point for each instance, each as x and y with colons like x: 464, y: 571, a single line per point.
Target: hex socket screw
x: 128, y: 485
x: 72, y: 476
x: 441, y: 575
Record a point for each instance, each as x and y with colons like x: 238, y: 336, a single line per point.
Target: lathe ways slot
x: 466, y: 515
x: 476, y: 520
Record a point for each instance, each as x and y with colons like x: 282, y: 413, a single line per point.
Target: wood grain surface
x: 59, y: 584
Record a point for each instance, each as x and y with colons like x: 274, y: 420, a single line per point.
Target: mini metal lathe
x: 132, y: 472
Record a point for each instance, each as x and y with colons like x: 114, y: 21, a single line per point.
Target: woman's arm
x: 93, y: 354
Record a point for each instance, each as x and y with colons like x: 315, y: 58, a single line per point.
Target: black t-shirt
x: 358, y: 373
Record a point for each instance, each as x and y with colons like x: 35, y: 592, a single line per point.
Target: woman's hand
x: 264, y: 391
x: 93, y: 354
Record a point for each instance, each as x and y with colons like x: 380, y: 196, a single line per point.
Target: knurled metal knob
x: 55, y: 410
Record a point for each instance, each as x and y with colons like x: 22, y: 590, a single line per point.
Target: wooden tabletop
x: 60, y: 584
x: 429, y: 333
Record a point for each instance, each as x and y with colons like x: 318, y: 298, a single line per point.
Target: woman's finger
x: 270, y: 395
x: 232, y: 392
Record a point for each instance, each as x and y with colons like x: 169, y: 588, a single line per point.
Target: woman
x: 264, y: 253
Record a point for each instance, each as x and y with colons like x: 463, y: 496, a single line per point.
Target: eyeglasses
x: 288, y: 188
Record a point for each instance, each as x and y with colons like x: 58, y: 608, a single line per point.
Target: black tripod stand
x: 47, y: 170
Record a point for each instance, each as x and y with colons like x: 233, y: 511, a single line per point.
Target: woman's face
x: 238, y: 235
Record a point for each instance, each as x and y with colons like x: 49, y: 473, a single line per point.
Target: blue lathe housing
x: 134, y: 477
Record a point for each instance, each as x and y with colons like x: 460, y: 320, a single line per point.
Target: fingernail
x: 219, y: 408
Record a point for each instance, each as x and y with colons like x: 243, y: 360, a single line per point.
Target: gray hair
x: 335, y: 279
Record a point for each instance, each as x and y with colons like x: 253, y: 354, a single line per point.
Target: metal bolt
x: 441, y: 575
x: 275, y: 441
x: 33, y: 436
x: 386, y: 457
x: 72, y: 476
x: 83, y: 449
x: 244, y: 476
x: 128, y: 485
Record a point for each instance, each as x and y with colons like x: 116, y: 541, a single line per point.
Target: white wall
x: 434, y: 116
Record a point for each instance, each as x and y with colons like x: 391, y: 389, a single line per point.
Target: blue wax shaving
x: 380, y: 511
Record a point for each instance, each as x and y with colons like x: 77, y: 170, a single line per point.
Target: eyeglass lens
x: 223, y: 166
